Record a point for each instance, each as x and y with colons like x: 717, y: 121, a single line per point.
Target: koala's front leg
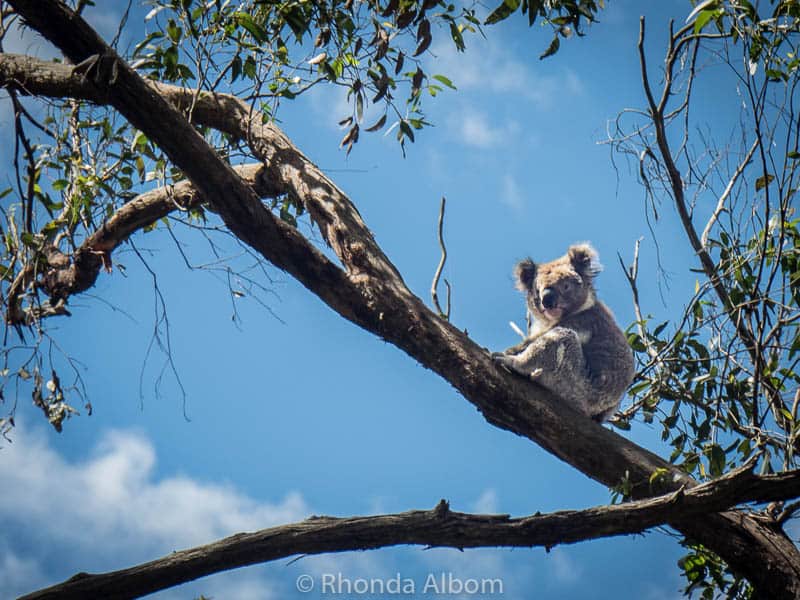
x: 513, y: 363
x: 555, y: 360
x: 513, y: 349
x: 531, y: 357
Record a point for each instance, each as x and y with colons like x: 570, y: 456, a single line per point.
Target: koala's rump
x: 609, y: 361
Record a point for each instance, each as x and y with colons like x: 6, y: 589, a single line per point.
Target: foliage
x: 706, y: 573
x: 723, y: 379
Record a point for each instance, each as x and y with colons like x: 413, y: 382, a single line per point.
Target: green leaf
x: 534, y: 6
x: 764, y: 181
x: 174, y: 32
x: 505, y: 10
x: 716, y: 460
x: 380, y: 123
x: 658, y: 474
x: 444, y: 80
x: 552, y: 48
x: 249, y: 68
x: 406, y: 130
x: 458, y: 39
x: 253, y: 28
x: 702, y: 19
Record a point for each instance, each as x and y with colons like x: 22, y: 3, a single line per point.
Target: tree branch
x: 372, y: 294
x: 439, y: 527
x: 65, y: 276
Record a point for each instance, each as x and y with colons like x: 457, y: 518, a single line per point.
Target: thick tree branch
x: 439, y: 527
x: 380, y: 301
x: 371, y: 294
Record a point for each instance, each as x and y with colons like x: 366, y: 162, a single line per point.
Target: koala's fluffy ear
x: 524, y: 274
x: 584, y: 260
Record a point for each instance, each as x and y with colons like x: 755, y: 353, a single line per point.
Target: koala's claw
x: 501, y: 359
x: 536, y: 373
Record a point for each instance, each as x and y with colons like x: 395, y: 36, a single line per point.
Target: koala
x: 574, y: 348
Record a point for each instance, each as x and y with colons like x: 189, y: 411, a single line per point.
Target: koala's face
x: 558, y: 290
x: 561, y: 287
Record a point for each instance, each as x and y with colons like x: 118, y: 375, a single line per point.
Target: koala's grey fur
x: 574, y: 347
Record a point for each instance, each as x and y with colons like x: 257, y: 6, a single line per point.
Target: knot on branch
x: 64, y: 276
x: 442, y: 509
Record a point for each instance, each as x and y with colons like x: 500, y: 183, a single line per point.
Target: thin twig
x: 435, y: 284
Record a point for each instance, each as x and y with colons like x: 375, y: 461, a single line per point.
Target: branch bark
x: 371, y: 293
x: 439, y: 527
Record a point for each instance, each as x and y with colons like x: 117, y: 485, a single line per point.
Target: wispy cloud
x: 492, y: 68
x: 487, y: 502
x: 565, y: 570
x: 110, y: 511
x: 511, y: 194
x: 474, y: 128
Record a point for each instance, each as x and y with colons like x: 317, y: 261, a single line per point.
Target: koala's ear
x: 584, y: 260
x: 524, y: 274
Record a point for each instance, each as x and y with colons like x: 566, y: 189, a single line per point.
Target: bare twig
x: 435, y: 284
x: 726, y: 192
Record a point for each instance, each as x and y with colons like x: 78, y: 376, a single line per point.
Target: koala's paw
x: 502, y: 359
x: 536, y: 373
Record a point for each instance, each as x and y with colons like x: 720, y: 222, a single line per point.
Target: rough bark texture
x: 437, y: 527
x: 371, y: 293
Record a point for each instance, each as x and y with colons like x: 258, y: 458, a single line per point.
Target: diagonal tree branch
x: 379, y: 301
x: 439, y: 527
x: 370, y: 293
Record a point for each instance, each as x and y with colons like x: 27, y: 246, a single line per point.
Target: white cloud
x: 487, y: 503
x: 17, y: 573
x: 330, y: 103
x: 110, y: 511
x: 489, y: 67
x: 474, y: 128
x: 511, y: 195
x: 565, y: 570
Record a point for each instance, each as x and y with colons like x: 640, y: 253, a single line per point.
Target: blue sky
x: 293, y: 411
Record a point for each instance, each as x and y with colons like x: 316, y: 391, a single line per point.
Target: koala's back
x: 608, y: 357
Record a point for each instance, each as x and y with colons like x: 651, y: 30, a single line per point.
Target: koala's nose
x: 549, y: 298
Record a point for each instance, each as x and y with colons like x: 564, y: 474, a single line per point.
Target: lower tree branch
x: 439, y: 527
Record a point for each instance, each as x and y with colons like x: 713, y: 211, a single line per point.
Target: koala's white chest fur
x: 584, y: 335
